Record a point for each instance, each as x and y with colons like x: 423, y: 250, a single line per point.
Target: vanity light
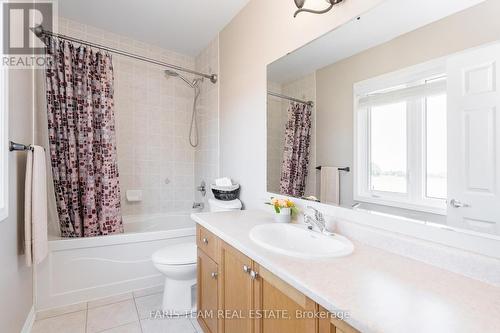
x: 300, y: 5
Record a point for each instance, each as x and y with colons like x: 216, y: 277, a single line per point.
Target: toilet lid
x: 232, y: 204
x: 177, y: 254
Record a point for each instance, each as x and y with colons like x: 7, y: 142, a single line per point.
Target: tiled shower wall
x: 206, y: 166
x: 153, y: 113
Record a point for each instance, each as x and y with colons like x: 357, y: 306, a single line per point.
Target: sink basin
x: 297, y: 241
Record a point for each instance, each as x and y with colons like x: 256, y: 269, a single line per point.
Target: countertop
x: 381, y: 291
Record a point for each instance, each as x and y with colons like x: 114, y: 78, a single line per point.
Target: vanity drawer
x: 207, y: 242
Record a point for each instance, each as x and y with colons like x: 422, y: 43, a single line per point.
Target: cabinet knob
x: 205, y: 240
x: 246, y: 269
x: 254, y: 275
x: 214, y: 275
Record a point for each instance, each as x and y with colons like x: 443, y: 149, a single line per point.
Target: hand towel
x: 330, y: 185
x: 35, y: 207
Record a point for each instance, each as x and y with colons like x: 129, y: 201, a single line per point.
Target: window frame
x: 415, y: 198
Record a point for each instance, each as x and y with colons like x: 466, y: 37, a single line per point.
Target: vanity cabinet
x: 236, y: 296
x: 245, y: 297
x: 207, y: 288
x: 280, y: 307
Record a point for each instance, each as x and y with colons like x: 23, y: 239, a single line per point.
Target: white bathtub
x: 82, y: 269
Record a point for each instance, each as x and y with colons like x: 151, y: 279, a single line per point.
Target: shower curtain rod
x: 40, y: 31
x: 310, y: 103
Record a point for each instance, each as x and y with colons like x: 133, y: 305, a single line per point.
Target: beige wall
x: 261, y: 33
x: 16, y: 279
x: 473, y: 27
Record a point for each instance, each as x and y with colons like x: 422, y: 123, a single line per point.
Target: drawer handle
x: 214, y: 275
x: 205, y: 240
x: 254, y: 275
x: 246, y: 269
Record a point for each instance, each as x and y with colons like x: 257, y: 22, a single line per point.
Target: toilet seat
x: 177, y: 254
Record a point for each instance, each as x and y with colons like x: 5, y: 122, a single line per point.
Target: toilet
x: 178, y: 263
x: 216, y: 205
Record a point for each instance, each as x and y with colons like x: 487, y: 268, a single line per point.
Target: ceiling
x: 387, y: 21
x: 184, y: 26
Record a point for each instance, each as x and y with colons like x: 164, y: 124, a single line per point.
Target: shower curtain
x: 82, y: 142
x: 296, y: 150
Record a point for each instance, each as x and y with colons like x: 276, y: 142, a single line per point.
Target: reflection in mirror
x: 394, y: 114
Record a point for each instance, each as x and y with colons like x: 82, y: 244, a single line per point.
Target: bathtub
x: 82, y: 269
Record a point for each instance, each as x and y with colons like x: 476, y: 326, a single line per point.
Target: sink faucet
x: 317, y: 220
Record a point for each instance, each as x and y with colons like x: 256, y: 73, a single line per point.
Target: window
x: 400, y: 139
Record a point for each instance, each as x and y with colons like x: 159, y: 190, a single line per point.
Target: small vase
x: 284, y: 216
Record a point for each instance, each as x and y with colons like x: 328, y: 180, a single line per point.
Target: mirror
x: 394, y: 114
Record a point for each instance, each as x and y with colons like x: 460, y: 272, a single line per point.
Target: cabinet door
x: 278, y: 306
x: 333, y: 325
x: 236, y: 292
x: 207, y: 292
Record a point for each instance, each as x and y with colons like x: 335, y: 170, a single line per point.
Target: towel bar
x: 346, y: 169
x: 13, y: 146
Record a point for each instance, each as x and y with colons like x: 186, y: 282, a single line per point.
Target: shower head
x: 193, y: 84
x: 169, y: 72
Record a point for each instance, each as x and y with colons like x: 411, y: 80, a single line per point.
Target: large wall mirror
x: 396, y: 111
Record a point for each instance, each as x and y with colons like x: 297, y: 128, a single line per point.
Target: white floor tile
x: 148, y: 291
x: 67, y: 323
x: 61, y: 310
x: 147, y: 304
x: 110, y: 316
x: 128, y: 328
x: 109, y: 300
x: 177, y: 325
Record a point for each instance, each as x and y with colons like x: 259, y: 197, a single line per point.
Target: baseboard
x: 30, y: 319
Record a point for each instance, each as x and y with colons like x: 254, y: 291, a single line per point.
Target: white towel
x: 224, y: 181
x: 35, y: 207
x: 330, y: 185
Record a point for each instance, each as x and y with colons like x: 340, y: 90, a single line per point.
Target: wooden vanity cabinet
x: 207, y: 289
x: 245, y: 297
x: 281, y: 307
x: 236, y: 294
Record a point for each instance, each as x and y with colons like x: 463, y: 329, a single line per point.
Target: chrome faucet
x: 317, y: 220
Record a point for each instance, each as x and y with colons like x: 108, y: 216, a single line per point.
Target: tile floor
x: 128, y: 313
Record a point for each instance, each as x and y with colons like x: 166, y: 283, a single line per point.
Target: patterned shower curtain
x: 296, y: 151
x: 82, y: 139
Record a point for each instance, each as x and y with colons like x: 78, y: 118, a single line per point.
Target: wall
x: 16, y: 279
x: 206, y: 157
x: 335, y: 96
x: 261, y: 33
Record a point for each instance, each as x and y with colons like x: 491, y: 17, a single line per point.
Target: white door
x: 474, y: 139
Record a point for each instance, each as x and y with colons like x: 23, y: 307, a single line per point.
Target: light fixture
x: 300, y: 5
